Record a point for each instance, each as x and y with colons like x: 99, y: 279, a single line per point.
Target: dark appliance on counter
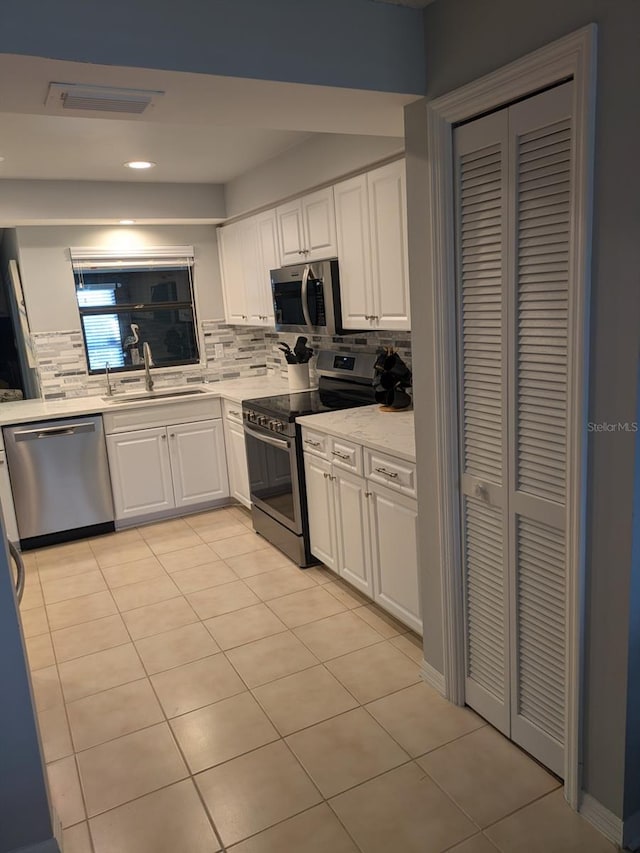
x: 274, y: 447
x: 306, y: 298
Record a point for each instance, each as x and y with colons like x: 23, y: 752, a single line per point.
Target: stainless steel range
x: 274, y: 447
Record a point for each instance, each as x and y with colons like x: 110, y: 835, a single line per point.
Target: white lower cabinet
x: 140, y: 472
x: 163, y: 468
x: 394, y: 550
x: 236, y: 455
x: 6, y: 501
x: 362, y: 530
x: 321, y: 510
x: 353, y: 529
x: 198, y: 462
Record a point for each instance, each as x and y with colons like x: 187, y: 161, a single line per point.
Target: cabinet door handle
x: 164, y: 436
x: 236, y: 414
x: 312, y: 443
x: 384, y: 471
x: 368, y: 494
x: 340, y: 455
x: 172, y: 435
x: 325, y: 475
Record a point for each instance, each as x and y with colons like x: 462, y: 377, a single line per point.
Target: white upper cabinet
x: 307, y: 228
x: 232, y: 270
x: 371, y: 217
x: 248, y: 252
x: 261, y: 300
x: 354, y: 252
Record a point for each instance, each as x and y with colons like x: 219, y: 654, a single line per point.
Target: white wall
x: 47, y: 277
x: 26, y: 202
x: 320, y: 159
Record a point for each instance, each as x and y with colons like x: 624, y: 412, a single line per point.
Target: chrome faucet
x: 148, y: 363
x: 106, y: 374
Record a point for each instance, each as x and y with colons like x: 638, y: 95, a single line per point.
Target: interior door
x: 481, y: 173
x: 540, y: 141
x: 514, y: 212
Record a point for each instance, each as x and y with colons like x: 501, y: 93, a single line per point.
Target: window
x: 125, y: 302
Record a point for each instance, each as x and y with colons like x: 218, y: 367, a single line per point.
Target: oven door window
x: 273, y: 478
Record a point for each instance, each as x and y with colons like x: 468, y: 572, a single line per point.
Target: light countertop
x: 388, y: 432
x: 235, y: 390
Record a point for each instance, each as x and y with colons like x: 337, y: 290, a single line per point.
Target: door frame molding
x: 573, y: 56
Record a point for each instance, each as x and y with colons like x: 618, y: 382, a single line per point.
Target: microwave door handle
x: 304, y: 295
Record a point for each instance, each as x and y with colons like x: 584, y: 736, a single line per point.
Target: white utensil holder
x: 298, y: 377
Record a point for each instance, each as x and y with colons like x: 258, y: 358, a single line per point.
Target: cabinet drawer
x: 316, y: 443
x: 147, y: 416
x: 232, y: 411
x: 346, y: 455
x: 394, y: 473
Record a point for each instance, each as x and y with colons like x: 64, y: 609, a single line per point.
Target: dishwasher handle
x: 50, y: 432
x: 20, y: 570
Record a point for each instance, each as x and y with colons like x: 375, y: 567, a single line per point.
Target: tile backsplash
x: 230, y: 352
x: 367, y: 342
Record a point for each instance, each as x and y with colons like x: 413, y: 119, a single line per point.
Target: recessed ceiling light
x: 127, y: 222
x: 140, y: 164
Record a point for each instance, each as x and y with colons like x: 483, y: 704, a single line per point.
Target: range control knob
x: 279, y: 426
x: 261, y: 420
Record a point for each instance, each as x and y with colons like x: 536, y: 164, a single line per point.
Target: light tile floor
x: 198, y: 692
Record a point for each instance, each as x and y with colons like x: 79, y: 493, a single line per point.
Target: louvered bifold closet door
x: 480, y: 154
x: 540, y: 212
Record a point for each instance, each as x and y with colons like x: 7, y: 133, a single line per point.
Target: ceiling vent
x: 74, y: 97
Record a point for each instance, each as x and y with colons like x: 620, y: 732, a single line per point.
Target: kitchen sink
x: 153, y: 395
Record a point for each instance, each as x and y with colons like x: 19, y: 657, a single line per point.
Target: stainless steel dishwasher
x: 60, y: 480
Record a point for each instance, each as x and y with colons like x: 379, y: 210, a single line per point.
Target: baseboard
x: 631, y: 832
x: 433, y: 678
x: 599, y: 816
x: 174, y: 512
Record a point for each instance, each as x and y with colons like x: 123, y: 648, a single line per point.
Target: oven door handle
x: 304, y: 294
x: 268, y: 439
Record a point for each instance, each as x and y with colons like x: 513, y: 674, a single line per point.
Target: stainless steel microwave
x: 306, y: 298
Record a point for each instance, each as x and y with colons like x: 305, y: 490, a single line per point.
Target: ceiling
x: 203, y: 129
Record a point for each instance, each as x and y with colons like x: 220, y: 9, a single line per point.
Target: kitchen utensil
x: 300, y: 347
x: 288, y: 353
